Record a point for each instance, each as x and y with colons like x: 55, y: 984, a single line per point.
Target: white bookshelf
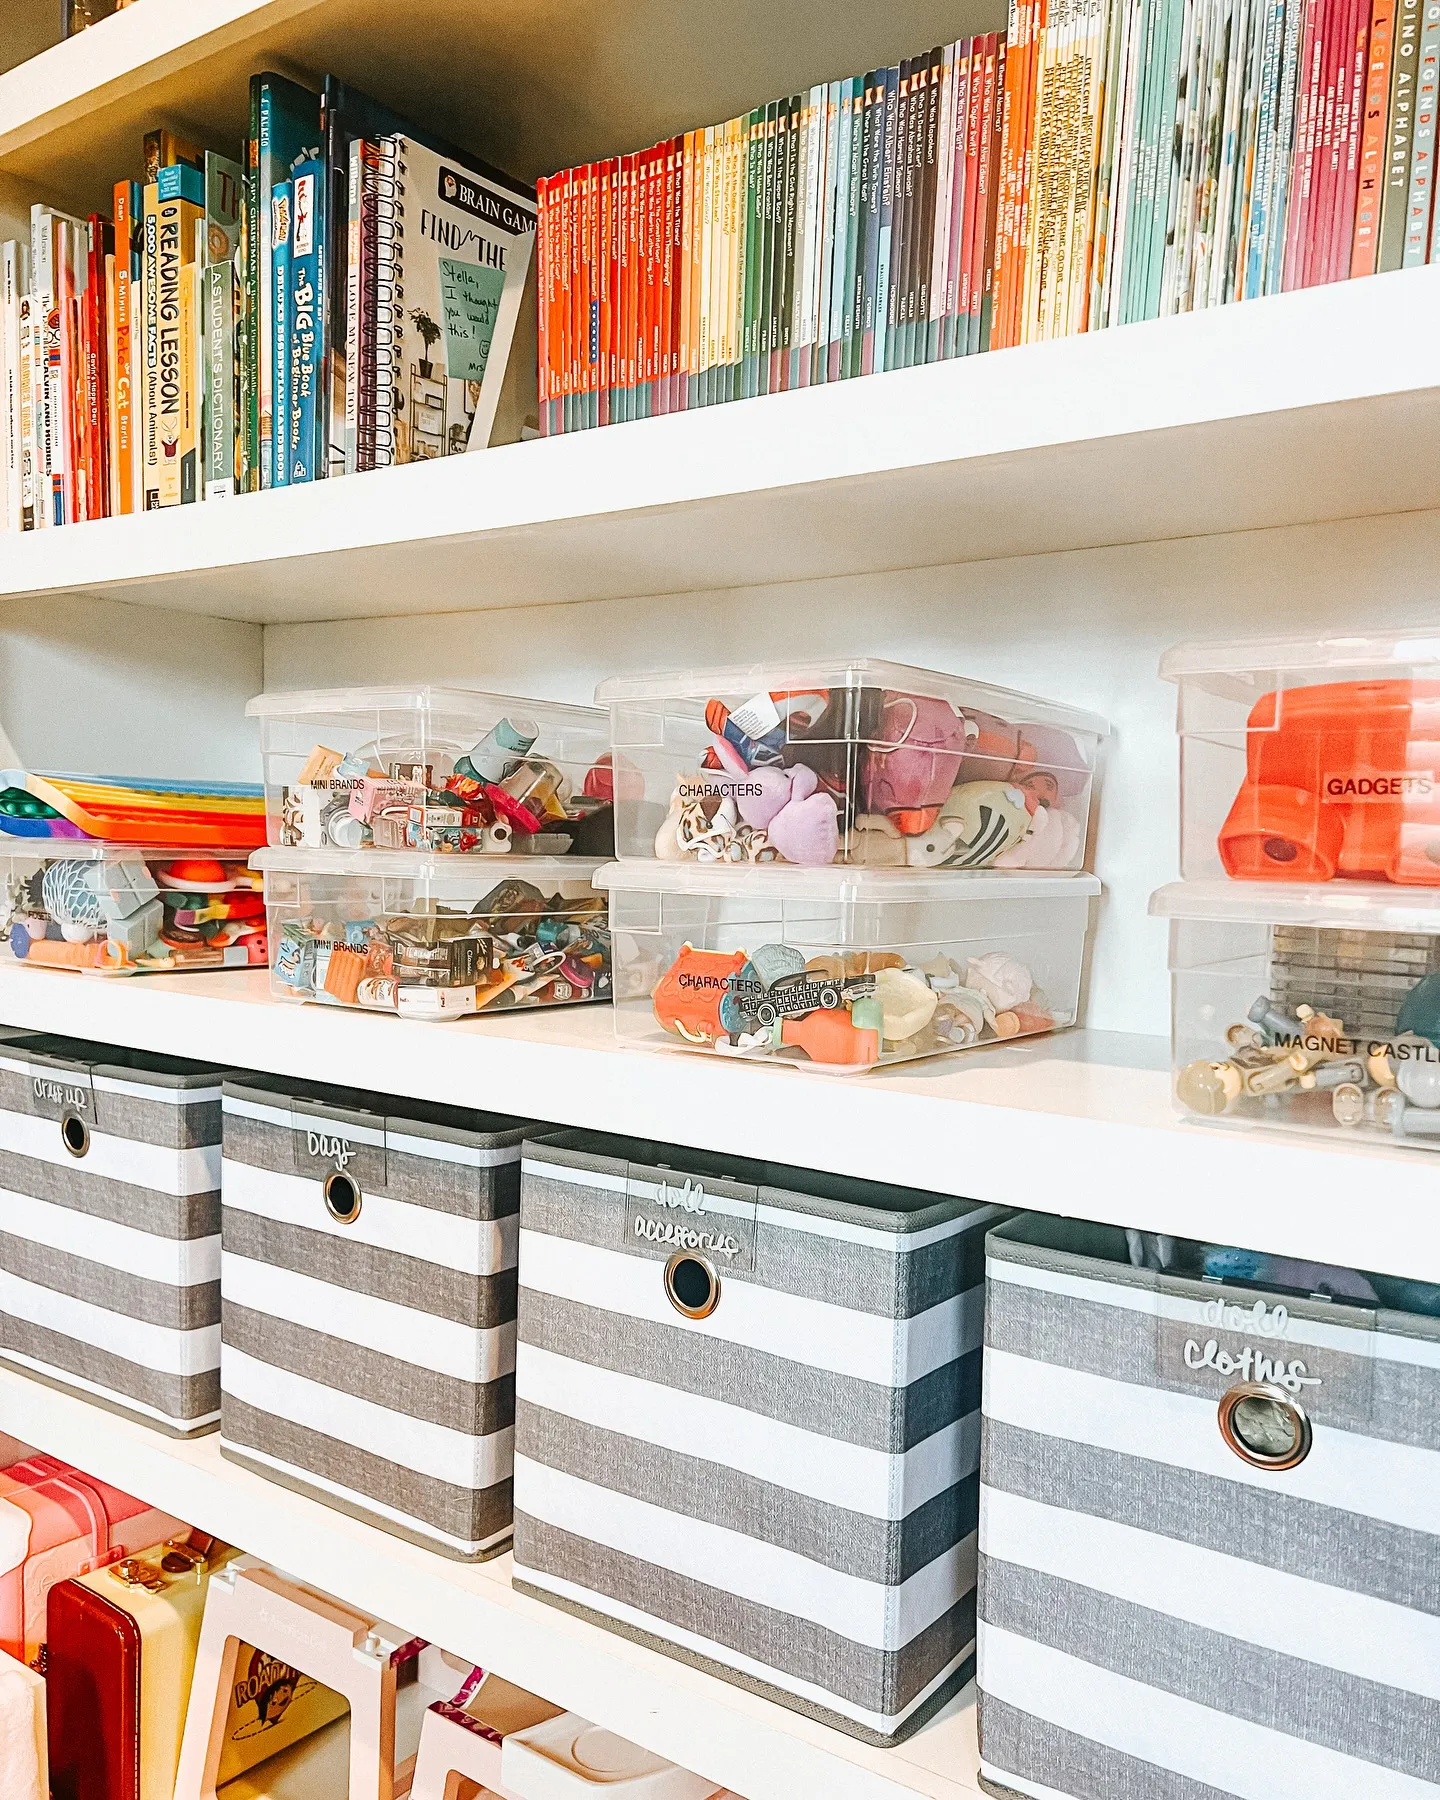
x: 1079, y: 1123
x: 759, y: 1750
x: 1288, y: 411
x: 1049, y: 518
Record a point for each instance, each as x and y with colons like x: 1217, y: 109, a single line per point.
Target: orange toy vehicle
x: 1341, y: 779
x: 687, y: 998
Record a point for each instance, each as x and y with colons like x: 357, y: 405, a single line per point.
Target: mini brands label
x: 1359, y: 787
x: 665, y: 1214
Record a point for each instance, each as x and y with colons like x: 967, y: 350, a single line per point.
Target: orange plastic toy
x: 829, y: 1037
x: 1341, y: 780
x: 687, y: 998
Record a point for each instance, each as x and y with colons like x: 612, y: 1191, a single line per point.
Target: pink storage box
x: 56, y: 1523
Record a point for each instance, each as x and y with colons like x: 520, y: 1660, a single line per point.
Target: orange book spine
x: 1015, y: 132
x: 1374, y: 125
x: 666, y: 254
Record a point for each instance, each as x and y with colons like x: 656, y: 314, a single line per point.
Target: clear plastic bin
x: 1310, y: 759
x: 1316, y: 1008
x: 430, y: 937
x: 117, y: 909
x: 848, y: 762
x: 434, y: 769
x: 841, y: 968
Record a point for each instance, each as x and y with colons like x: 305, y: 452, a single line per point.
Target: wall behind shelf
x: 94, y: 684
x: 1086, y: 627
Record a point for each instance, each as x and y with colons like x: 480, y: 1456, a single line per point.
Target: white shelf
x: 1303, y: 407
x: 1079, y: 1123
x: 757, y: 1749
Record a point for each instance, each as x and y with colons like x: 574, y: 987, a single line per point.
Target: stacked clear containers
x: 845, y: 864
x: 431, y: 849
x: 1305, y: 939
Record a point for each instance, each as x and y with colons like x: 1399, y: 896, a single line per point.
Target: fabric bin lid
x: 801, y: 1190
x: 421, y: 1118
x: 115, y: 1060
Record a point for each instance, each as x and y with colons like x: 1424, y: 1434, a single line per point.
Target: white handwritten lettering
x: 686, y: 1237
x: 1249, y: 1365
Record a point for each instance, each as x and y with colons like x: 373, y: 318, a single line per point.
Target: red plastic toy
x: 1342, y: 780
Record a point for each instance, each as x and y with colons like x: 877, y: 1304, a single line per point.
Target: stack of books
x: 1100, y: 162
x: 341, y: 297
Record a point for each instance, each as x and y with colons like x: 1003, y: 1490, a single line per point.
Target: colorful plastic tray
x: 124, y: 809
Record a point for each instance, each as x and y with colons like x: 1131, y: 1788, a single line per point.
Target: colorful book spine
x: 1365, y: 248
x: 1422, y: 152
x: 306, y: 306
x: 1399, y: 136
x: 278, y: 238
x: 174, y: 204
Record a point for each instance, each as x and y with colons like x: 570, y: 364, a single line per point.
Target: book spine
x: 1350, y: 127
x: 850, y: 274
x: 97, y: 371
x: 966, y: 275
x: 1365, y: 248
x: 898, y: 150
x: 305, y: 307
x: 825, y: 227
x: 1394, y: 202
x: 353, y: 185
x: 1325, y: 170
x: 1010, y: 226
x: 12, y: 283
x: 1422, y: 154
x: 263, y: 126
x: 925, y: 284
x: 389, y: 280
x: 1302, y: 173
x: 944, y: 181
x: 982, y: 296
x: 125, y: 420
x: 219, y: 380
x: 279, y: 314
x: 150, y: 458
x: 28, y: 341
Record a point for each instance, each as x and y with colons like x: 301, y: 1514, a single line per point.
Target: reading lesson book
x: 456, y: 285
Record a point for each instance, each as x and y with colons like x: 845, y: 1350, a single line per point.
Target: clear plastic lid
x: 846, y: 672
x: 840, y: 882
x: 1394, y: 653
x: 476, y: 872
x: 1334, y: 905
x: 107, y: 850
x: 322, y: 702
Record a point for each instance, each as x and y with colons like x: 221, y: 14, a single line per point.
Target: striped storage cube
x: 1209, y: 1530
x: 747, y: 1420
x: 368, y: 1283
x: 110, y: 1226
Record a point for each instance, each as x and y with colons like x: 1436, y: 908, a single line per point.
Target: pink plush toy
x: 802, y: 821
x: 913, y: 761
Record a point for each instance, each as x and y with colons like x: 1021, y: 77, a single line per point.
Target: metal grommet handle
x: 342, y: 1197
x: 691, y: 1286
x: 75, y: 1134
x: 1264, y: 1426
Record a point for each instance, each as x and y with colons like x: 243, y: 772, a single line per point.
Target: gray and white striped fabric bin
x: 747, y: 1425
x: 1209, y: 1531
x: 368, y: 1286
x: 110, y: 1226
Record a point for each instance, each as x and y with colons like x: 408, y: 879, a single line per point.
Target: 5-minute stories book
x: 466, y: 254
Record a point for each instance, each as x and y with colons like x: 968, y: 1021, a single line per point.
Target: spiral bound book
x: 453, y: 253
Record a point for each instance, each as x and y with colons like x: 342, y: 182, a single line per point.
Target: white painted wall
x: 1086, y: 627
x: 95, y: 686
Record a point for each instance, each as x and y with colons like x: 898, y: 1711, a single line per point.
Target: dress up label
x: 667, y: 1211
x: 59, y: 1089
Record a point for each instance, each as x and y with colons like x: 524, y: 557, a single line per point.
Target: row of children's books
x: 1100, y: 162
x: 343, y: 298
